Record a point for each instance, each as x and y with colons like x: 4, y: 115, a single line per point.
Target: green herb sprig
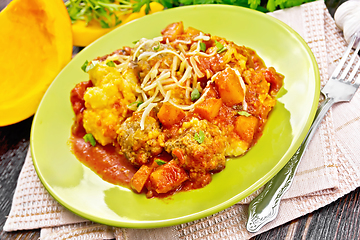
x: 102, y: 11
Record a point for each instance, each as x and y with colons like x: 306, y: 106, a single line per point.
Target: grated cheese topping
x: 172, y: 66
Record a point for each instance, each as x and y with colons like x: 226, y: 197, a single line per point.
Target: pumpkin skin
x: 36, y: 43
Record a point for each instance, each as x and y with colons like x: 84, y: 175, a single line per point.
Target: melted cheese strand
x: 196, y: 69
x: 148, y: 101
x: 186, y: 75
x: 146, y: 41
x: 166, y: 51
x: 145, y: 114
x: 167, y: 96
x: 243, y: 86
x: 151, y: 74
x: 202, y: 36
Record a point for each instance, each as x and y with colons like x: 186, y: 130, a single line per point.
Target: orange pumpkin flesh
x: 36, y: 43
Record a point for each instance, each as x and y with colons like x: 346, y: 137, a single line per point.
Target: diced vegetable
x: 246, y: 127
x: 209, y: 108
x: 173, y: 30
x: 169, y: 114
x: 228, y: 85
x: 140, y: 178
x: 167, y: 177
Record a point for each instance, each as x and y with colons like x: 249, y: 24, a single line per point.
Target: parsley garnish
x: 195, y: 94
x: 202, y: 47
x: 90, y: 138
x: 220, y: 47
x: 199, y: 137
x: 102, y: 11
x: 110, y: 64
x: 243, y: 113
x: 160, y: 162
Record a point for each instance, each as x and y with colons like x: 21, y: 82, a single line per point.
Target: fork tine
x: 356, y: 69
x: 344, y: 57
x: 347, y: 69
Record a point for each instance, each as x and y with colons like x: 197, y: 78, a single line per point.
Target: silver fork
x: 341, y: 87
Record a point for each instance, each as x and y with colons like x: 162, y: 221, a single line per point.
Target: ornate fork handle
x: 264, y: 208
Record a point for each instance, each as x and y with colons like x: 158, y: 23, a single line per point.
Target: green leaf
x: 254, y: 3
x: 186, y: 2
x: 90, y: 138
x: 111, y: 64
x: 243, y: 113
x: 160, y: 162
x: 195, y: 94
x: 202, y: 47
x: 104, y: 24
x: 139, y: 3
x: 199, y: 137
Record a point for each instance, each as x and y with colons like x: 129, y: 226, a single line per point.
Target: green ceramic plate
x: 83, y: 192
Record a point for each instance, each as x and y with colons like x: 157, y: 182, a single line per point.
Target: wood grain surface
x: 338, y: 220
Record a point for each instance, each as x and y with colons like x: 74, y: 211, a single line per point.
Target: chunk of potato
x: 209, y: 108
x: 139, y: 179
x: 229, y: 87
x: 169, y: 114
x: 246, y: 127
x: 167, y: 177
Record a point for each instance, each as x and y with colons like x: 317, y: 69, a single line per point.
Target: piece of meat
x: 140, y: 145
x: 192, y: 153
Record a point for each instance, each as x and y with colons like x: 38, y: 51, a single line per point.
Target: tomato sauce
x: 105, y: 161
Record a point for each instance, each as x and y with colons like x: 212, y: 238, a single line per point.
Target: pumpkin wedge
x: 36, y: 43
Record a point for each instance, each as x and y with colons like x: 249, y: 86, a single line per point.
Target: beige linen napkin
x: 332, y: 162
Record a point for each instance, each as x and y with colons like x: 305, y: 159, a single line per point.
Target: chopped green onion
x: 220, y: 47
x: 199, y: 137
x: 195, y: 94
x: 135, y: 42
x: 157, y: 47
x: 110, y: 64
x: 202, y: 47
x: 138, y: 103
x: 160, y: 162
x: 84, y: 66
x: 243, y: 113
x: 90, y: 138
